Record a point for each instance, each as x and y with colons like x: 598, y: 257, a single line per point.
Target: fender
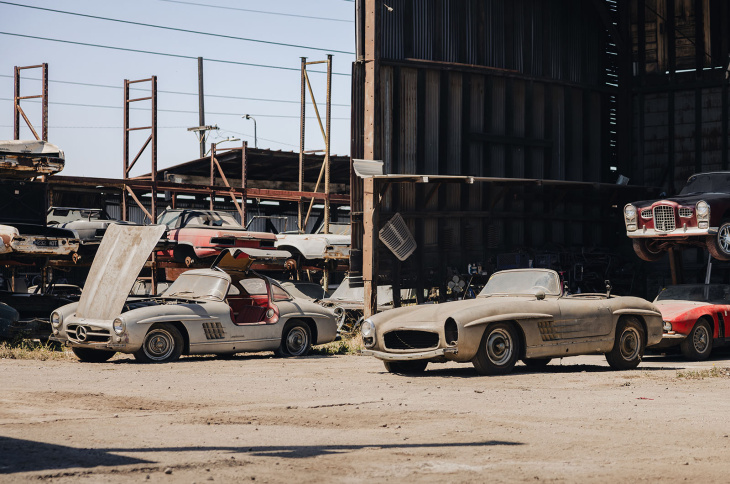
x: 641, y: 312
x: 508, y: 317
x: 168, y: 318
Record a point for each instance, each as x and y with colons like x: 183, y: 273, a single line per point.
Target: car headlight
x: 367, y: 329
x: 630, y: 212
x: 703, y: 209
x: 56, y: 319
x: 667, y: 327
x: 118, y: 326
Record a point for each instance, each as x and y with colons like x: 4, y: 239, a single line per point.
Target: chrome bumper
x: 423, y: 355
x: 678, y: 232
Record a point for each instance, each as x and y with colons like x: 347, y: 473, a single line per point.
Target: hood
x: 121, y: 256
x: 672, y: 309
x: 241, y: 259
x: 685, y: 200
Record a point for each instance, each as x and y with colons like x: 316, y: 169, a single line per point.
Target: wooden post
x: 370, y: 245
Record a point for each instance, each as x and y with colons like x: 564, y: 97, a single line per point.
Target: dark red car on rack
x: 698, y: 216
x: 202, y: 234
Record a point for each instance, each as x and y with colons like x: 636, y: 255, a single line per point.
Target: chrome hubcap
x: 723, y: 238
x: 159, y: 345
x: 499, y: 346
x: 630, y: 344
x: 296, y: 341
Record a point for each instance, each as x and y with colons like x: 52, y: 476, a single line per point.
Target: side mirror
x: 540, y: 295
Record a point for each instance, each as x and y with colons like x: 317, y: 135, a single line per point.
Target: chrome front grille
x: 410, y: 340
x: 86, y: 334
x: 664, y: 218
x: 685, y: 212
x: 646, y: 213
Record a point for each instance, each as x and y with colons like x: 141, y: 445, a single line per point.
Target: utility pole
x: 201, y: 105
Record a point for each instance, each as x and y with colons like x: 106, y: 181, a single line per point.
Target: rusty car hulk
x: 698, y: 216
x: 520, y: 314
x: 226, y: 309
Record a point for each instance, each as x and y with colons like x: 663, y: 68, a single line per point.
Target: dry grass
x: 713, y: 372
x: 345, y: 346
x: 33, y: 350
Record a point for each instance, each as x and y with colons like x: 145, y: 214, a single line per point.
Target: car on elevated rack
x: 695, y: 318
x: 698, y: 216
x: 318, y: 249
x: 203, y: 234
x: 520, y: 314
x: 226, y: 309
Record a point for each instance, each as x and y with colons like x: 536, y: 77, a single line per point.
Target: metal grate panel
x: 685, y: 212
x: 214, y: 331
x: 646, y: 213
x: 396, y: 236
x: 664, y: 218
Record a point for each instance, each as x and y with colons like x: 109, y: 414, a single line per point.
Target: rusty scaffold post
x: 325, y: 130
x: 149, y: 183
x: 18, y: 111
x: 215, y: 166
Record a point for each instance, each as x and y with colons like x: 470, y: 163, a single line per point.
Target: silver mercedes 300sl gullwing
x: 223, y: 310
x: 520, y: 314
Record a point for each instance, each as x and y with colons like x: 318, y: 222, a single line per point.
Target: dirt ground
x: 343, y: 419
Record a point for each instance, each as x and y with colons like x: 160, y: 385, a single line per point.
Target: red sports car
x: 698, y: 216
x: 695, y: 318
x: 204, y: 234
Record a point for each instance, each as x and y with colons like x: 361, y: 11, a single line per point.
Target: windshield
x: 696, y: 292
x: 522, y: 282
x: 336, y: 229
x: 212, y: 219
x: 194, y: 286
x: 707, y: 183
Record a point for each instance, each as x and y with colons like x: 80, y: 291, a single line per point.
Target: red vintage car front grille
x: 664, y: 218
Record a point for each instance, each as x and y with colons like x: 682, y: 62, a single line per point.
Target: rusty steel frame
x: 151, y: 141
x: 325, y: 130
x: 214, y: 164
x: 18, y: 111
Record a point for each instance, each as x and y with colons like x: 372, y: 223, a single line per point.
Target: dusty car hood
x: 121, y: 256
x: 685, y: 200
x: 673, y: 309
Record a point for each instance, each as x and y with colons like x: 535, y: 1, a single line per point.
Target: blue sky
x: 92, y: 135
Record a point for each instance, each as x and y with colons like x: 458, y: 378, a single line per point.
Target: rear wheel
x: 629, y: 345
x: 646, y: 251
x: 163, y: 343
x: 89, y: 355
x: 498, y: 350
x: 411, y: 367
x: 697, y: 346
x: 719, y: 244
x: 296, y: 339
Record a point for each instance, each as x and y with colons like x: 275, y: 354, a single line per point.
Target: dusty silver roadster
x: 223, y: 310
x: 520, y: 314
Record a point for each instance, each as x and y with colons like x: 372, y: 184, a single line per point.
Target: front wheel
x: 296, y: 339
x: 89, y: 355
x: 498, y: 350
x: 409, y: 367
x: 163, y: 343
x: 628, y: 347
x: 719, y: 244
x: 697, y: 346
x: 646, y: 251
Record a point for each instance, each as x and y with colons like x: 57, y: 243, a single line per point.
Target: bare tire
x: 163, y: 343
x: 628, y: 347
x: 185, y: 255
x: 296, y: 339
x: 536, y: 362
x: 498, y: 350
x: 645, y: 251
x: 411, y: 367
x: 697, y: 346
x: 719, y: 244
x: 89, y: 355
